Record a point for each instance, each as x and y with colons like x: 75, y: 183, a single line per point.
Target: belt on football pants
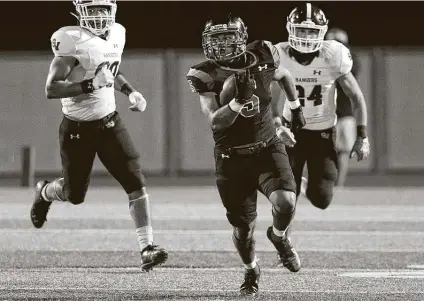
x: 102, y: 121
x: 249, y: 149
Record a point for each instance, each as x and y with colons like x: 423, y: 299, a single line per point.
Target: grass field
x: 368, y: 245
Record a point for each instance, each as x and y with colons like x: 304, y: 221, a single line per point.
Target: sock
x: 140, y: 213
x: 251, y: 265
x: 281, y: 221
x: 279, y: 233
x: 53, y: 191
x: 43, y: 194
x: 144, y: 236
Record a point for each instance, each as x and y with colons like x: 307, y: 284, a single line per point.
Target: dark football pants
x: 109, y: 139
x: 316, y: 149
x: 239, y: 177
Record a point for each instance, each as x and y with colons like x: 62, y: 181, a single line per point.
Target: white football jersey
x: 93, y: 53
x: 316, y: 82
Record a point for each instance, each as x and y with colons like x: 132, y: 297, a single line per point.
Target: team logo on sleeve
x: 192, y: 88
x: 55, y: 44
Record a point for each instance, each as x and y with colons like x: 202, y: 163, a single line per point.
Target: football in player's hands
x: 246, y: 86
x: 103, y: 78
x: 229, y: 90
x: 239, y: 86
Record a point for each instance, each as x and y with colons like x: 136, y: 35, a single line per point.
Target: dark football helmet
x: 306, y: 26
x: 224, y: 40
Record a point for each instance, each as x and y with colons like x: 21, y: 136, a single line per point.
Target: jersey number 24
x: 315, y: 96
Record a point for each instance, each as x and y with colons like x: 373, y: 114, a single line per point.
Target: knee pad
x: 284, y: 202
x: 245, y: 233
x: 241, y: 220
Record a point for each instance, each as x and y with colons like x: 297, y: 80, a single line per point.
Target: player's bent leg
x: 119, y: 155
x: 320, y: 194
x: 45, y: 193
x: 239, y: 198
x: 151, y: 254
x: 244, y: 242
x: 322, y: 170
x: 283, y: 209
x: 321, y: 183
x: 277, y: 183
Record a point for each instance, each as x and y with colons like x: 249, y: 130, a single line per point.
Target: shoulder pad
x: 63, y: 41
x: 119, y: 26
x: 262, y: 45
x: 199, y: 80
x: 338, y: 56
x: 282, y: 49
x: 121, y: 32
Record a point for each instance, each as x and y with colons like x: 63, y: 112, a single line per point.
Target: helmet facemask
x: 306, y: 37
x: 224, y: 42
x: 96, y: 16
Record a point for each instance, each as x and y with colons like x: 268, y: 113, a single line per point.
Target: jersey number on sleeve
x: 113, y: 67
x: 250, y: 108
x: 315, y: 95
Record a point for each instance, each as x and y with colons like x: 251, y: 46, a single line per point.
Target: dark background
x: 175, y: 24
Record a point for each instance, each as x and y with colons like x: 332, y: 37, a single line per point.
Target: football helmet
x: 306, y: 26
x: 224, y: 40
x: 96, y: 16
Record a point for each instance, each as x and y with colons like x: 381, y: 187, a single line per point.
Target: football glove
x: 138, y: 102
x: 361, y: 149
x: 297, y: 119
x: 245, y: 86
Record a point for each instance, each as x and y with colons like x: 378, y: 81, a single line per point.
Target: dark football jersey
x: 254, y: 122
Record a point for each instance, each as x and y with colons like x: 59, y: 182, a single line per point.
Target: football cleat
x: 250, y: 286
x: 151, y: 256
x: 287, y: 255
x: 40, y: 207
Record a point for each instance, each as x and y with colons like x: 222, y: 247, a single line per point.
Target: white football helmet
x: 96, y: 16
x: 306, y: 26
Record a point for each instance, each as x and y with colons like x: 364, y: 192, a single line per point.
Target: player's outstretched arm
x: 138, y: 102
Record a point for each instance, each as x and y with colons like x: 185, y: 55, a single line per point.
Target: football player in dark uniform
x: 249, y: 156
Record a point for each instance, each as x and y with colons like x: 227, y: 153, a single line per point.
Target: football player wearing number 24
x: 317, y: 66
x: 84, y: 74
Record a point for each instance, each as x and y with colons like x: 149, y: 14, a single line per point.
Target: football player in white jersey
x: 316, y: 65
x: 84, y: 74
